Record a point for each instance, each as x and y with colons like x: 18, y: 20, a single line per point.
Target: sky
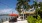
x: 7, y: 6
x: 39, y: 0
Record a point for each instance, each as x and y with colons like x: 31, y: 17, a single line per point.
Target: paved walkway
x: 19, y: 21
x: 25, y: 21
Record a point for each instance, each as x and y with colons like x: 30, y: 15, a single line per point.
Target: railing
x: 4, y: 19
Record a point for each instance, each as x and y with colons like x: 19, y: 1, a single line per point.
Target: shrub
x: 31, y: 19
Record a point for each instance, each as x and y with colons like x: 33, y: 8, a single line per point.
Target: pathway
x: 18, y: 21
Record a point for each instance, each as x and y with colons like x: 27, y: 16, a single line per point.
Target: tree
x: 40, y: 11
x: 23, y: 3
x: 40, y: 5
x: 35, y: 5
x: 19, y: 9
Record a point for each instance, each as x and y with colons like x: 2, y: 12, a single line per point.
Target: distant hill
x: 4, y: 14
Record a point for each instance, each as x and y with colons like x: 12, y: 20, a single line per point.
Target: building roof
x: 13, y: 14
x: 30, y: 11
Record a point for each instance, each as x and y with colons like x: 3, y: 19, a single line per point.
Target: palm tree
x: 23, y: 3
x: 19, y: 9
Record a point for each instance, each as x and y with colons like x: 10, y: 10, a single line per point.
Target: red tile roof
x: 13, y: 14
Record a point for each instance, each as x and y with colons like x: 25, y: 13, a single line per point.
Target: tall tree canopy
x: 40, y: 11
x: 22, y: 4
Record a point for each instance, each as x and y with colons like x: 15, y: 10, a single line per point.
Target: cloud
x: 8, y: 11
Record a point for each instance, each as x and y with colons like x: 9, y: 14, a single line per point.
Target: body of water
x: 4, y: 18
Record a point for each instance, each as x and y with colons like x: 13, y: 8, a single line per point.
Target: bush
x: 31, y: 19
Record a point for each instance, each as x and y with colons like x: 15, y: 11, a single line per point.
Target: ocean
x: 4, y: 18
